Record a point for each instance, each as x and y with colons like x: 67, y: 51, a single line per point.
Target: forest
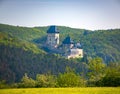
x: 23, y: 62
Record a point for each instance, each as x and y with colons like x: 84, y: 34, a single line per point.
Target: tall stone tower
x: 52, y: 37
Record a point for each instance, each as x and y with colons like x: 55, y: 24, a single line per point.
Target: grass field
x: 88, y: 90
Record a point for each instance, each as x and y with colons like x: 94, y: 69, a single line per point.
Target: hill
x: 20, y: 55
x: 20, y: 50
x: 103, y: 43
x: 98, y: 43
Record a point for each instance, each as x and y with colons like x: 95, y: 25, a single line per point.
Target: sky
x: 84, y: 14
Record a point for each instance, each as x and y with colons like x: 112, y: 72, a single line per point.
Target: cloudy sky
x: 87, y: 14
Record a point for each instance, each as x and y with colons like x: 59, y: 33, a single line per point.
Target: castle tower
x: 53, y: 37
x: 71, y: 50
x: 67, y: 42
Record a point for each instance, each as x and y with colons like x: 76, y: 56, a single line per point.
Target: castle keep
x: 68, y: 48
x: 53, y: 37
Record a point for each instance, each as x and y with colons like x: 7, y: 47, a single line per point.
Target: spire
x: 67, y: 40
x: 52, y: 29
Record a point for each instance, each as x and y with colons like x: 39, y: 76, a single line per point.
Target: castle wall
x: 75, y: 53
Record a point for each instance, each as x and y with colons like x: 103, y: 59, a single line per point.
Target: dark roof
x: 52, y: 29
x: 67, y: 40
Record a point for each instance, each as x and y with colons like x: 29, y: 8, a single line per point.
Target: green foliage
x: 70, y: 79
x: 112, y: 76
x: 41, y: 80
x: 96, y: 70
x: 8, y: 40
x: 102, y: 43
x: 23, y: 33
x: 3, y: 84
x: 27, y: 82
x: 47, y: 80
x: 14, y: 62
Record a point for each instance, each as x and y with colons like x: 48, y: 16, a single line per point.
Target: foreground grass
x: 88, y: 90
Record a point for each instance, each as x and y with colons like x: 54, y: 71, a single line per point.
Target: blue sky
x: 87, y: 14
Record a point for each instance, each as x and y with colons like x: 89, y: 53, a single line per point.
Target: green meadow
x: 87, y: 90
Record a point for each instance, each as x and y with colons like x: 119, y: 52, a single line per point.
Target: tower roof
x: 67, y: 40
x: 52, y: 29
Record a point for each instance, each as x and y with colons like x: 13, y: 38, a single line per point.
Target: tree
x: 112, y: 77
x: 96, y: 70
x: 69, y: 79
x: 3, y: 84
x: 41, y: 80
x: 47, y: 80
x: 27, y: 82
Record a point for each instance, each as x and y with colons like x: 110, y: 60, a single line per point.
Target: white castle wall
x: 75, y: 53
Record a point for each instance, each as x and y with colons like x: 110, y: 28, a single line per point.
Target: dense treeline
x: 104, y: 44
x: 98, y: 75
x: 15, y: 61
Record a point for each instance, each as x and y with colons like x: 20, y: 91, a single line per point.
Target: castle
x: 68, y: 48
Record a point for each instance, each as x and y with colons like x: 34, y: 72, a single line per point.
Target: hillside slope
x: 19, y: 56
x: 101, y: 43
x: 23, y: 33
x: 20, y: 50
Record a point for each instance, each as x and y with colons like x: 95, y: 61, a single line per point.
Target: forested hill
x: 102, y: 43
x: 98, y: 43
x: 20, y: 50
